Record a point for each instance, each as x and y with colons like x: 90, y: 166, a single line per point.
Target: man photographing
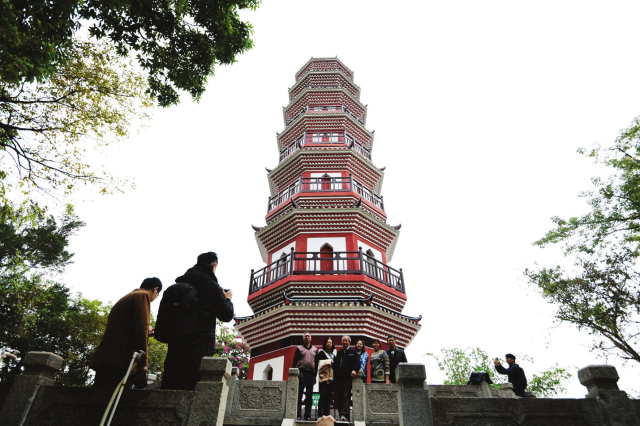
x: 515, y: 374
x: 182, y: 365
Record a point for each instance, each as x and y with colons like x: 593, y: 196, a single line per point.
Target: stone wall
x: 220, y: 399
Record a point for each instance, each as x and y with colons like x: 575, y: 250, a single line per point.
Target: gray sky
x: 478, y: 109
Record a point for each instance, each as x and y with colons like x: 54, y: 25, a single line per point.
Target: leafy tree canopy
x: 44, y: 127
x: 601, y: 294
x: 458, y: 364
x: 176, y: 42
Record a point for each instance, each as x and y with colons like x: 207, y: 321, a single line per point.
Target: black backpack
x: 178, y: 314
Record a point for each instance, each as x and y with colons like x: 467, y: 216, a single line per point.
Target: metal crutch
x: 136, y: 356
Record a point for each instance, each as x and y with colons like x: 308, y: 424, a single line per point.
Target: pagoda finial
x: 397, y: 227
x: 268, y: 170
x: 383, y: 168
x: 257, y: 228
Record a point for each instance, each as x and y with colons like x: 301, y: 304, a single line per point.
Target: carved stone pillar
x: 38, y: 371
x: 231, y: 384
x: 414, y: 403
x: 358, y: 397
x: 602, y: 383
x: 291, y: 402
x: 210, y: 398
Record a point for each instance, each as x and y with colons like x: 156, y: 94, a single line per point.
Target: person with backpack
x: 187, y: 321
x: 515, y: 374
x: 127, y: 332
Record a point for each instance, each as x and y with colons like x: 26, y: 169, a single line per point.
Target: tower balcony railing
x: 319, y: 109
x: 349, y: 141
x: 325, y: 184
x: 326, y: 263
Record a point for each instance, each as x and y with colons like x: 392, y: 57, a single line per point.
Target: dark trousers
x: 182, y: 365
x: 324, y: 403
x: 110, y: 377
x: 519, y: 392
x: 305, y: 380
x: 343, y: 396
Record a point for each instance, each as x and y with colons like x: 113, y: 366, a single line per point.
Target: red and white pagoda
x: 326, y: 243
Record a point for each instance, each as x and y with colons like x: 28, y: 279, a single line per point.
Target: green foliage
x: 37, y: 314
x: 32, y: 240
x: 45, y: 128
x: 34, y: 36
x: 601, y: 294
x: 458, y: 364
x: 177, y: 42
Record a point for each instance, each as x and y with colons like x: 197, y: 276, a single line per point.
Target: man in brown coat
x: 127, y: 332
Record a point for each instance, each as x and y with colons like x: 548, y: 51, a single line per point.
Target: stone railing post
x: 508, y: 388
x: 414, y: 403
x: 231, y: 384
x: 38, y: 371
x: 602, y: 383
x: 358, y: 398
x: 210, y: 398
x: 291, y: 403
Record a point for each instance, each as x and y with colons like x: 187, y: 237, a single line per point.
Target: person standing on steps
x: 127, y: 332
x: 324, y: 366
x: 182, y: 365
x: 396, y: 356
x: 363, y: 359
x: 514, y: 372
x: 379, y: 364
x: 344, y: 368
x: 304, y: 360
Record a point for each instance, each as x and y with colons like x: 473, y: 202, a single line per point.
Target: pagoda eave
x: 326, y: 221
x: 285, y: 320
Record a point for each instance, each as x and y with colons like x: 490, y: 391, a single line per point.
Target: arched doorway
x: 326, y: 257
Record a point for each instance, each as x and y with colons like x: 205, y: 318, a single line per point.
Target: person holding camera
x: 515, y: 374
x: 182, y: 365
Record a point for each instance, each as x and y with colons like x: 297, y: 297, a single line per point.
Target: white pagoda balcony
x: 325, y: 185
x: 335, y: 138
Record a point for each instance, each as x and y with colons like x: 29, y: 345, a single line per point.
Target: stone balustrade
x: 221, y: 399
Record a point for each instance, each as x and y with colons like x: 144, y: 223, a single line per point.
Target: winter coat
x: 211, y: 300
x: 127, y: 332
x: 344, y: 364
x: 394, y: 360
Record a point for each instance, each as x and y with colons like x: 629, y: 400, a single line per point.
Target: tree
x: 601, y: 294
x: 177, y: 43
x: 45, y: 127
x: 458, y: 364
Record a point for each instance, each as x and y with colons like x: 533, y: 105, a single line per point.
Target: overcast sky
x: 478, y: 109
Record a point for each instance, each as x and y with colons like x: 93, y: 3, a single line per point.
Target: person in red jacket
x: 127, y: 332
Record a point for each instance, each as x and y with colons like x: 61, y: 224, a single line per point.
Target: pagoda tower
x: 327, y: 243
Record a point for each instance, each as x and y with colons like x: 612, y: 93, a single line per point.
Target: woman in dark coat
x: 326, y: 387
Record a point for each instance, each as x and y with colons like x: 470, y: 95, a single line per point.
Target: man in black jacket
x: 515, y: 374
x: 396, y: 356
x: 344, y: 371
x: 182, y: 365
